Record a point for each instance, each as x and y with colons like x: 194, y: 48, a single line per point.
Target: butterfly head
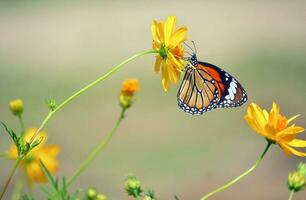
x: 193, y: 60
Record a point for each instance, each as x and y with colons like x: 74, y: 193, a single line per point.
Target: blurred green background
x: 53, y: 48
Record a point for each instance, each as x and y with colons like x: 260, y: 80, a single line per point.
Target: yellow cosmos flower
x: 44, y: 153
x: 168, y: 42
x: 275, y: 127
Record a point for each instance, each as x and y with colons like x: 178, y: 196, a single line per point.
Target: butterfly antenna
x: 192, y: 50
x: 195, y: 48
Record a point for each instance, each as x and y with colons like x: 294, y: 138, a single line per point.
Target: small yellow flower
x: 130, y: 86
x: 16, y: 106
x: 168, y: 42
x: 275, y: 127
x: 31, y: 162
x: 128, y: 89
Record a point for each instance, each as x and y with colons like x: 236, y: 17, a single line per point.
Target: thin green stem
x: 89, y: 86
x: 291, y: 195
x: 10, y: 177
x: 17, y: 190
x: 235, y: 180
x: 22, y: 129
x: 97, y: 150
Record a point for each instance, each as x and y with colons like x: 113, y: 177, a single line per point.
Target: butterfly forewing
x: 206, y: 86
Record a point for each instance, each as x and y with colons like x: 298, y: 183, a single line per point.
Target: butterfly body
x: 206, y: 87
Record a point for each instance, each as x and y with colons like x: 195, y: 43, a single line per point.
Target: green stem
x: 291, y: 195
x: 10, y: 177
x: 239, y: 177
x: 97, y: 150
x: 22, y: 129
x: 17, y: 190
x: 89, y: 86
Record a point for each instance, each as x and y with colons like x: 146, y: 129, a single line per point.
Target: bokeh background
x: 53, y: 48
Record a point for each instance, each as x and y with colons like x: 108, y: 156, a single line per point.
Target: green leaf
x: 11, y: 133
x: 64, y: 189
x: 51, y: 180
x: 36, y: 142
x: 176, y: 198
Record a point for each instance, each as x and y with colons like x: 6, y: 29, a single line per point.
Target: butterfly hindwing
x: 231, y: 93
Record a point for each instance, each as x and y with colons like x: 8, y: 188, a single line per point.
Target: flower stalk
x: 10, y: 176
x: 291, y: 195
x: 235, y: 180
x: 97, y: 150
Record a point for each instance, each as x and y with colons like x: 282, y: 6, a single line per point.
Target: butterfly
x: 206, y: 87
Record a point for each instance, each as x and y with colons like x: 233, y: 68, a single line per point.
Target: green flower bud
x: 296, y: 181
x: 147, y: 198
x: 150, y: 195
x: 52, y: 104
x: 91, y: 194
x: 16, y: 107
x: 101, y: 197
x: 125, y: 100
x: 132, y: 186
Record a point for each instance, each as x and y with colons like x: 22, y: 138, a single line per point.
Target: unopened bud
x: 132, y: 186
x: 91, y: 194
x: 296, y: 181
x: 16, y: 107
x: 101, y: 197
x: 52, y: 104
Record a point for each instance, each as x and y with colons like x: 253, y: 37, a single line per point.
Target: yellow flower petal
x: 157, y: 32
x: 168, y: 29
x: 35, y: 173
x: 292, y: 118
x: 158, y: 63
x: 178, y: 37
x: 297, y: 143
x: 290, y: 131
x: 287, y: 149
x: 253, y: 124
x: 274, y: 115
x: 165, y: 77
x: 174, y: 61
x: 257, y: 117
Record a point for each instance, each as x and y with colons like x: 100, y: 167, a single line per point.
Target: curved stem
x: 87, y: 87
x: 230, y: 183
x: 97, y: 150
x: 291, y: 195
x: 10, y: 177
